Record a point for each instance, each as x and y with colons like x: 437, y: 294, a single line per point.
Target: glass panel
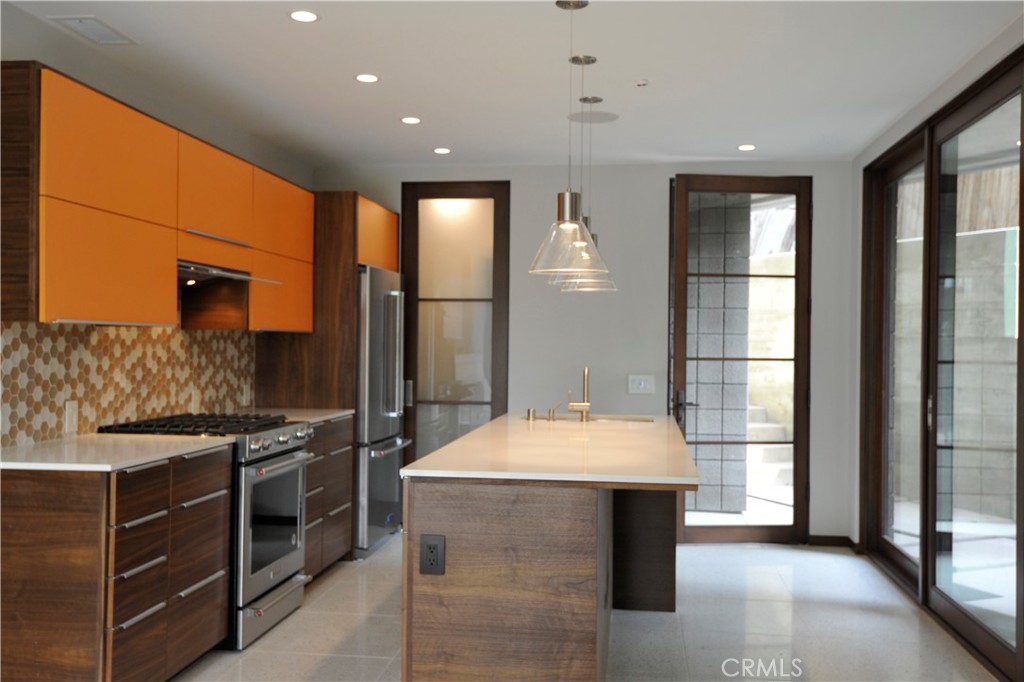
x: 741, y: 292
x: 438, y: 425
x: 456, y: 248
x: 976, y: 410
x: 454, y: 351
x: 905, y: 232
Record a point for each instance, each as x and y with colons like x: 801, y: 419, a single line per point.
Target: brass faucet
x: 583, y: 407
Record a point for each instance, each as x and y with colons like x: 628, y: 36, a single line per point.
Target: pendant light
x: 568, y: 247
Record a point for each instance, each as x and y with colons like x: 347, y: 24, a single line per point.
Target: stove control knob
x: 267, y: 443
x: 255, y: 445
x: 303, y: 433
x: 283, y: 438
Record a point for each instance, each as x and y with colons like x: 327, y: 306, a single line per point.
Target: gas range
x: 256, y: 435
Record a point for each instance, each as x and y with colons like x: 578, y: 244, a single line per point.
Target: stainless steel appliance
x: 379, y: 409
x: 270, y: 515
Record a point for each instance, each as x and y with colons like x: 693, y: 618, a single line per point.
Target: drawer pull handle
x: 145, y: 519
x: 210, y: 235
x: 338, y: 420
x: 315, y: 491
x: 201, y: 584
x: 143, y: 467
x: 204, y: 498
x: 315, y: 523
x: 339, y: 509
x: 204, y: 453
x: 285, y: 589
x: 142, y: 616
x: 314, y: 460
x: 140, y: 569
x: 338, y: 452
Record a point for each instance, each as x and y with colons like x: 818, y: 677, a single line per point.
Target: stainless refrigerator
x: 379, y: 409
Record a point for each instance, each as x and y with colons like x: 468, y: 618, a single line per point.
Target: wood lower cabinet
x: 329, y: 494
x: 115, y: 576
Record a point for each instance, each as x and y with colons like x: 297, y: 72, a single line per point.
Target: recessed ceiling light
x: 746, y: 147
x: 367, y: 78
x: 442, y: 150
x: 410, y: 120
x: 304, y: 16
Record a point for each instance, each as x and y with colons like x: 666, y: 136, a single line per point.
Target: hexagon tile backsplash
x: 116, y: 374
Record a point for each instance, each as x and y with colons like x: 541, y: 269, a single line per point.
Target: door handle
x: 399, y: 444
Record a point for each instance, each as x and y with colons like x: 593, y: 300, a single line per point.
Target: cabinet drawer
x: 314, y: 543
x: 199, y: 474
x: 338, y: 478
x: 136, y: 649
x: 315, y: 473
x: 331, y: 435
x: 139, y: 491
x: 314, y: 504
x: 214, y: 191
x: 136, y: 590
x: 200, y: 539
x: 137, y: 542
x: 337, y: 540
x: 197, y: 620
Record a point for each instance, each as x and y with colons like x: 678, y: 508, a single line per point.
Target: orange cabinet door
x: 198, y: 249
x: 287, y: 306
x: 282, y: 217
x: 377, y: 234
x: 214, y: 192
x: 96, y: 266
x: 98, y: 152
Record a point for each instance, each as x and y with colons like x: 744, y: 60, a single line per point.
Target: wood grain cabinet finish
x: 105, y: 578
x: 96, y: 266
x: 214, y: 192
x: 286, y: 305
x: 329, y: 494
x: 98, y: 152
x: 282, y: 217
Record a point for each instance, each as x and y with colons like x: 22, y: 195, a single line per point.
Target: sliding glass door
x: 942, y: 434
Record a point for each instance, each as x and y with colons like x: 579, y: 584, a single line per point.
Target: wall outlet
x: 246, y: 395
x: 432, y: 554
x: 641, y: 384
x: 70, y: 416
x: 194, y: 403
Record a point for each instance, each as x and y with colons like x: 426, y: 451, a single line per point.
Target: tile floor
x: 799, y: 613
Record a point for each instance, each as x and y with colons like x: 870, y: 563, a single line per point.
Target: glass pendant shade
x: 568, y: 247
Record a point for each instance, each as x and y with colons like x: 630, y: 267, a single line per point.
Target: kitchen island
x: 521, y: 536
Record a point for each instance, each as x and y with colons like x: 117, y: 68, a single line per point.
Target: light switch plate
x: 641, y: 384
x: 70, y: 416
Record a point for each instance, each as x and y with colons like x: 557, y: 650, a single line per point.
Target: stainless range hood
x: 190, y: 274
x: 211, y: 297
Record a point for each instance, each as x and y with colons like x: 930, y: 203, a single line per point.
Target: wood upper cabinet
x: 214, y: 192
x: 102, y: 267
x: 287, y: 306
x: 282, y: 217
x: 377, y: 236
x: 97, y: 152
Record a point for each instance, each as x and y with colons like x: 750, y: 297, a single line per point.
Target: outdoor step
x: 757, y: 413
x: 777, y: 453
x: 765, y: 431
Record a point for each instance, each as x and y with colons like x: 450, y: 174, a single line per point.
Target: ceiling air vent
x: 93, y: 29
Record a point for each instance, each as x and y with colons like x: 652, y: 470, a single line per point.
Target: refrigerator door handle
x: 399, y: 444
x: 393, y: 370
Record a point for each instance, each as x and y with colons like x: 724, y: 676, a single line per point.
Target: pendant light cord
x: 568, y: 185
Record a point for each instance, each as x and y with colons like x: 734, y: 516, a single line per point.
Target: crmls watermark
x: 773, y: 668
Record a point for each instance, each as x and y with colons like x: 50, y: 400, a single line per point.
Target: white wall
x: 553, y: 335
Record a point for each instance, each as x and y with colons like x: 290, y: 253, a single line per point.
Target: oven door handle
x: 400, y: 444
x: 298, y: 458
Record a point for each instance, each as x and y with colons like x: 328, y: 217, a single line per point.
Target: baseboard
x: 831, y: 541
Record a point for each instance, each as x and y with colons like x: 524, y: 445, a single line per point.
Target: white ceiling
x: 801, y: 80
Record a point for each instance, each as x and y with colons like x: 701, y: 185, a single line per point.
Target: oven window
x: 276, y: 523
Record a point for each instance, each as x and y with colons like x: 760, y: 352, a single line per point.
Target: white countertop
x: 103, y: 451
x: 599, y: 452
x: 302, y: 414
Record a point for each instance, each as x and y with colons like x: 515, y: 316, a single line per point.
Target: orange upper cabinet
x: 287, y: 303
x: 377, y: 235
x: 282, y: 217
x: 98, y: 152
x: 96, y: 266
x: 214, y: 192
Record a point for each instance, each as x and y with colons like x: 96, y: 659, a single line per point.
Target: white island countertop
x: 641, y: 453
x: 104, y: 451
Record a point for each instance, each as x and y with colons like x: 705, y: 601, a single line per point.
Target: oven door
x: 272, y: 516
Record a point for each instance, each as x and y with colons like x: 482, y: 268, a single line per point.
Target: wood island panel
x: 525, y: 594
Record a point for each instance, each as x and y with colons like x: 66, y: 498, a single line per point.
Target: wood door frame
x: 500, y: 192
x: 801, y: 187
